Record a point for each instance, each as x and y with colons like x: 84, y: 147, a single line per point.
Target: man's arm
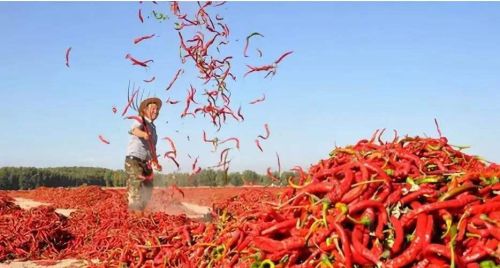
x: 139, y: 133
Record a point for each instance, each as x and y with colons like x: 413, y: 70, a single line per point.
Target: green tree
x: 250, y: 177
x: 207, y: 177
x: 235, y: 179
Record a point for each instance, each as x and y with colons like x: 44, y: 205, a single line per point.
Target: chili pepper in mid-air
x: 173, y: 160
x: 159, y: 15
x: 141, y: 38
x: 260, y: 53
x: 138, y: 62
x: 257, y: 142
x: 259, y: 100
x: 135, y: 117
x: 248, y: 41
x: 169, y: 101
x: 223, y: 155
x: 175, y: 78
x: 283, y: 56
x: 232, y: 139
x: 150, y: 80
x: 279, y: 163
x: 114, y: 109
x: 193, y: 166
x: 240, y: 114
x: 266, y: 127
x: 271, y: 175
x: 102, y: 139
x: 252, y: 69
x: 437, y: 127
x: 140, y: 16
x: 172, y: 145
x: 68, y: 50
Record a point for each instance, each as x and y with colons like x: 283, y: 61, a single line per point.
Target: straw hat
x: 147, y: 102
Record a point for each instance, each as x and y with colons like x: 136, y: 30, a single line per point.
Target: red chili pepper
x: 232, y: 139
x: 346, y: 247
x: 103, y: 140
x: 279, y: 226
x: 398, y: 235
x: 139, y: 39
x: 259, y: 100
x: 456, y: 203
x: 138, y: 62
x: 414, y: 249
x: 150, y: 80
x: 139, y: 14
x: 359, y: 248
x: 67, y: 56
x: 248, y: 41
x: 258, y: 145
x: 266, y: 127
x: 271, y: 245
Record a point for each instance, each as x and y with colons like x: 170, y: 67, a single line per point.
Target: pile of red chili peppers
x: 410, y: 202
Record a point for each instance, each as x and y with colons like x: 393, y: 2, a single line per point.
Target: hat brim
x: 149, y: 101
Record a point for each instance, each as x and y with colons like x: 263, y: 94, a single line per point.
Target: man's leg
x: 133, y: 170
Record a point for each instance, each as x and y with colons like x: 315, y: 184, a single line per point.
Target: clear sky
x: 356, y: 67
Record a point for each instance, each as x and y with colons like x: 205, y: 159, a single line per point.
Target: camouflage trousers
x: 138, y: 190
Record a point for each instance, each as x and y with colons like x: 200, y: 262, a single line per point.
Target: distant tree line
x: 24, y: 178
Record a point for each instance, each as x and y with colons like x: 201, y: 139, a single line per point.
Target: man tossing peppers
x: 141, y: 155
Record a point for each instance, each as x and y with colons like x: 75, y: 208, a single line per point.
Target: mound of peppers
x: 408, y: 202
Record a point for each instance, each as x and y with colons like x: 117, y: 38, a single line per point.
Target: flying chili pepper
x: 172, y: 145
x: 267, y: 132
x: 279, y: 163
x: 137, y: 62
x: 67, y: 56
x: 102, y: 139
x: 240, y: 115
x: 257, y: 142
x: 193, y: 166
x: 114, y: 109
x: 260, y: 53
x: 258, y: 100
x: 139, y: 39
x: 218, y: 17
x: 140, y: 16
x: 270, y: 67
x: 223, y: 156
x: 135, y: 117
x: 169, y: 101
x: 271, y: 175
x: 150, y: 80
x: 234, y: 139
x: 283, y: 56
x: 248, y: 41
x: 173, y: 160
x: 175, y: 78
x: 159, y: 16
x: 437, y: 126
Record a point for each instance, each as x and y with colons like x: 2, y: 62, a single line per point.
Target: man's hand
x: 141, y: 134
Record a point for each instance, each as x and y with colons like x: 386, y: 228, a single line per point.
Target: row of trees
x: 24, y: 178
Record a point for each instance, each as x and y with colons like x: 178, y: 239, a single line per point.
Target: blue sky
x: 356, y: 67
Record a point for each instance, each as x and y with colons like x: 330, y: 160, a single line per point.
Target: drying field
x: 410, y: 202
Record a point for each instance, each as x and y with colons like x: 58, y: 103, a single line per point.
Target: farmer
x: 141, y: 156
